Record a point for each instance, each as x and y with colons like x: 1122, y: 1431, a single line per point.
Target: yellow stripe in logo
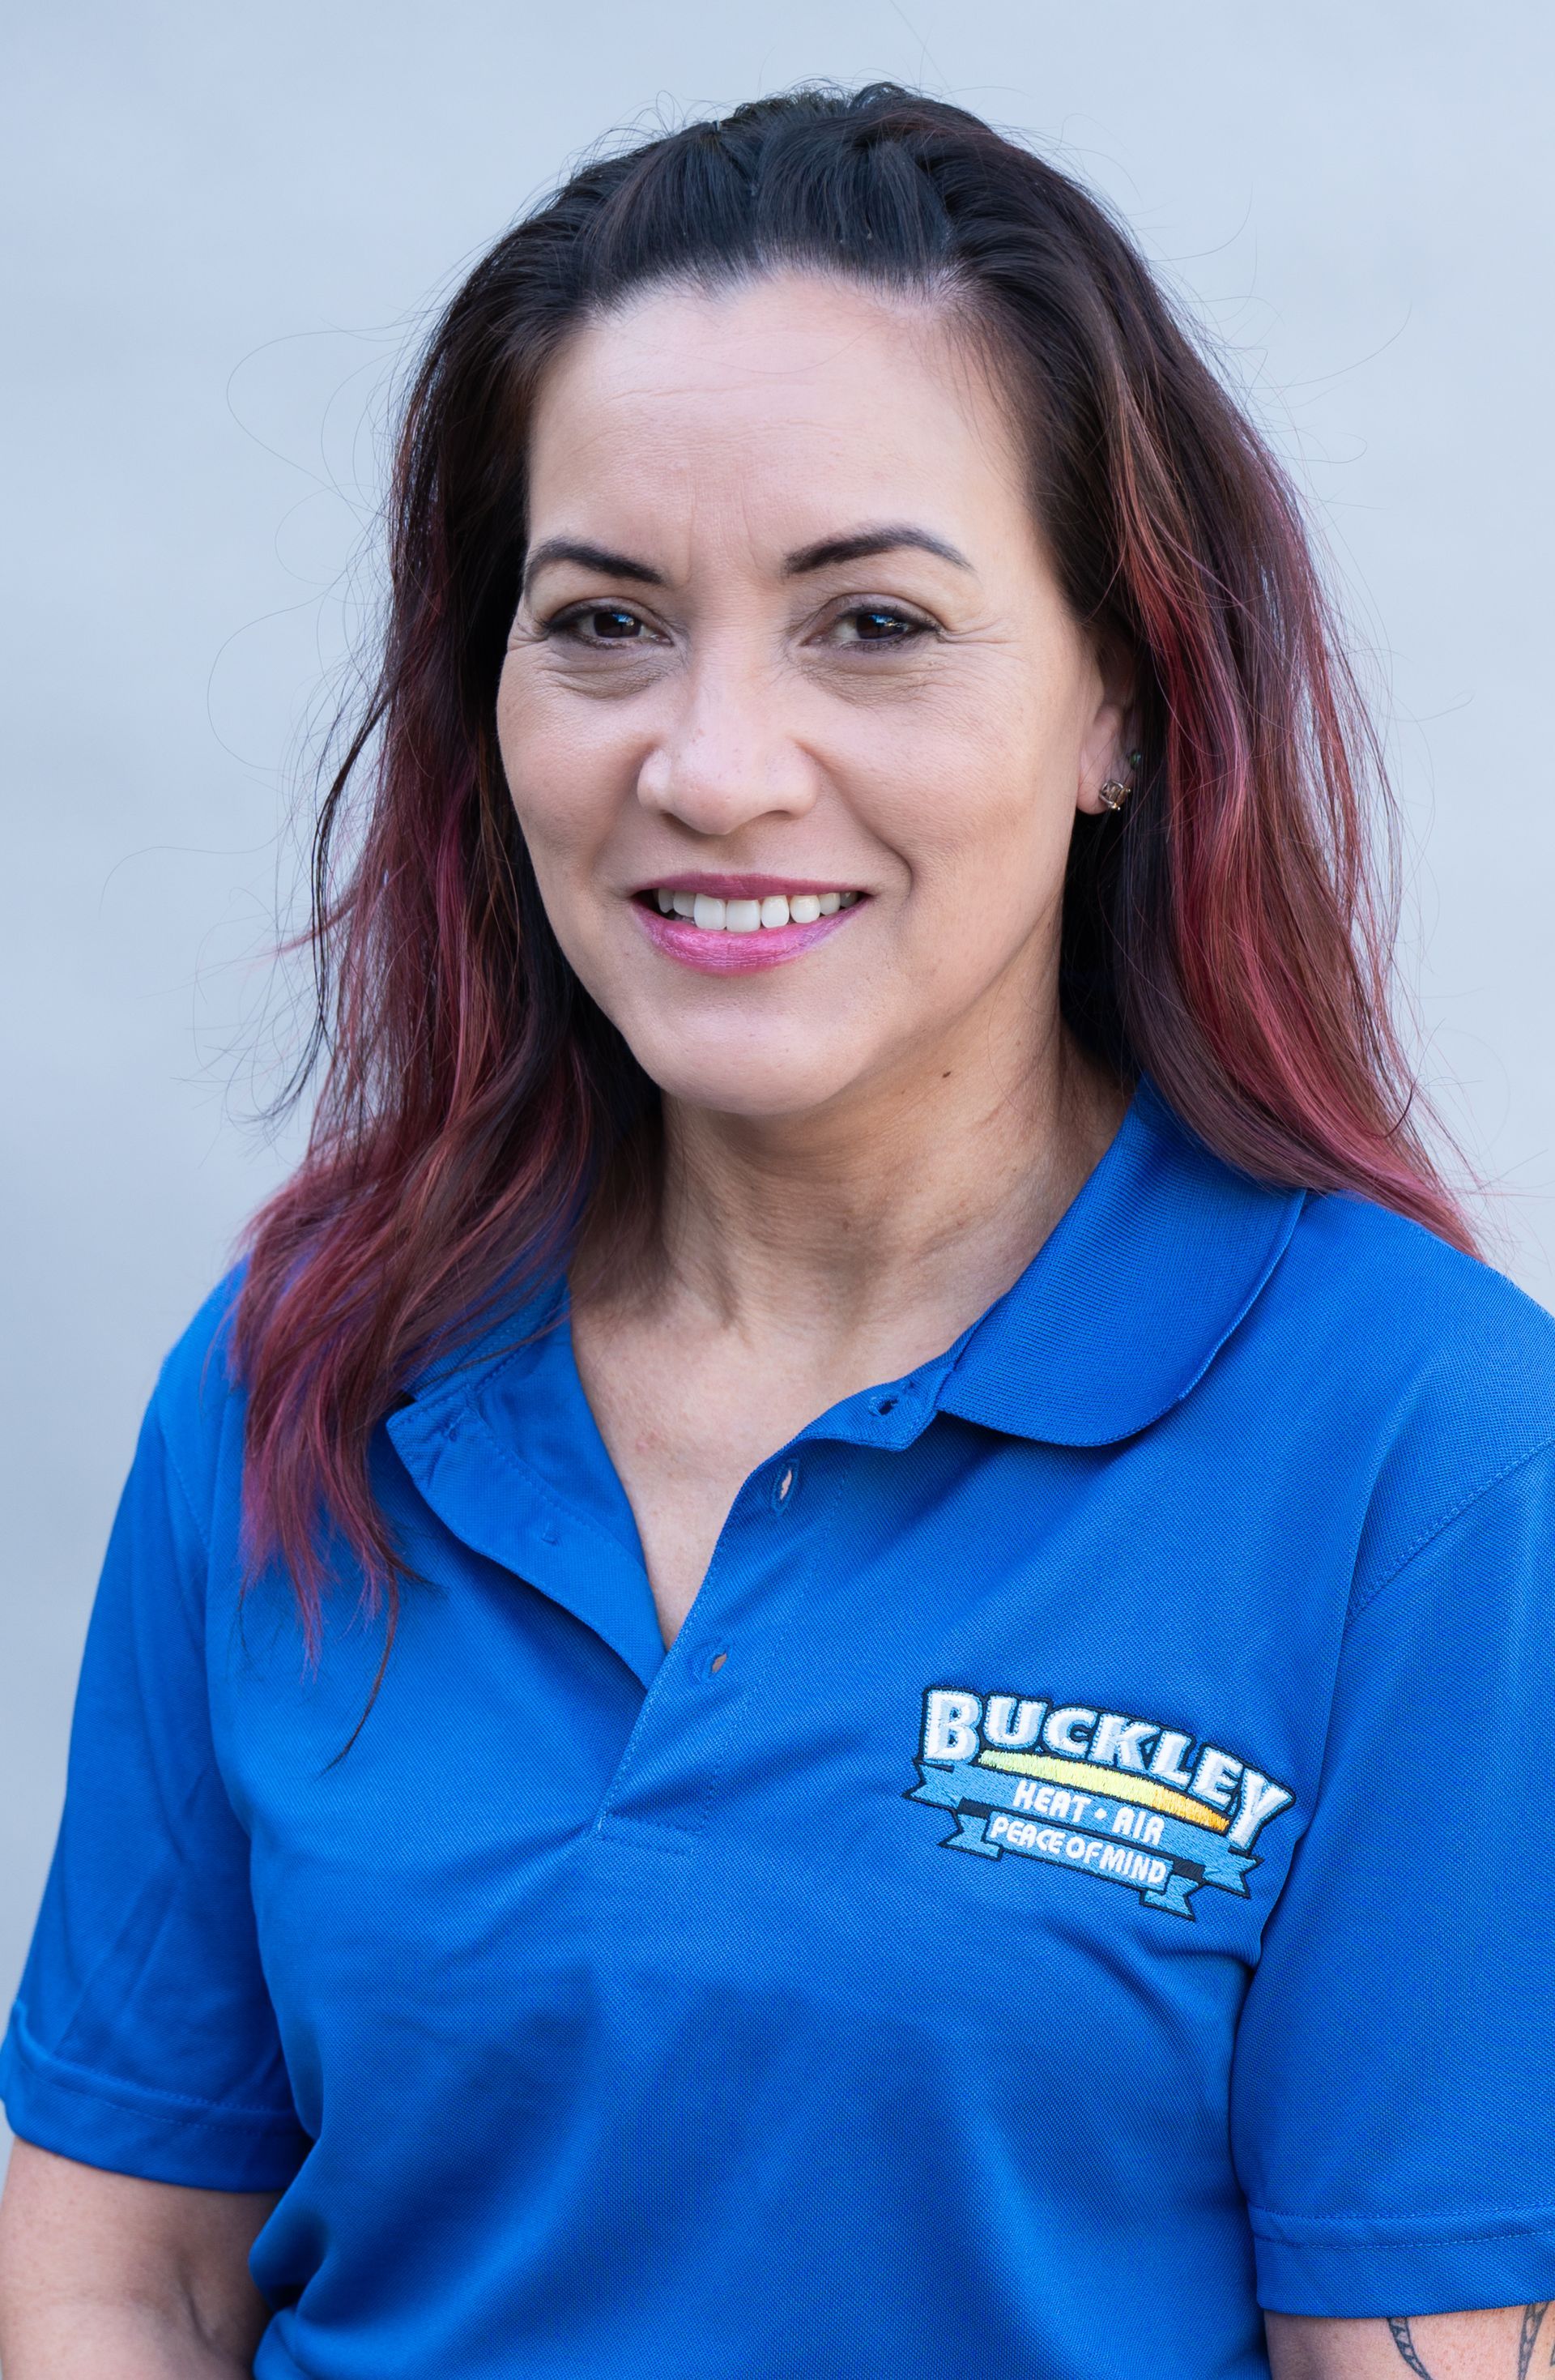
x: 1115, y: 1781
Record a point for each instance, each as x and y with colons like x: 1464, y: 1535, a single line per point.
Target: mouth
x: 732, y: 924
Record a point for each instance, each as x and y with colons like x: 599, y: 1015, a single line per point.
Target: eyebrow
x: 886, y: 538
x: 864, y: 541
x: 590, y: 557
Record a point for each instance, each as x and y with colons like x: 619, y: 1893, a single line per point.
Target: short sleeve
x: 142, y: 2038
x: 1393, y: 2084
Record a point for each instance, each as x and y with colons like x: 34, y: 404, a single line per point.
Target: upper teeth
x: 747, y: 917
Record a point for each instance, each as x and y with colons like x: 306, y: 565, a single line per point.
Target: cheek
x: 561, y: 763
x: 976, y: 795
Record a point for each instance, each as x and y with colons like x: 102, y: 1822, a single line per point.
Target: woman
x: 835, y: 1660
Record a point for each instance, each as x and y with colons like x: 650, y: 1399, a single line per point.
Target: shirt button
x: 782, y: 1488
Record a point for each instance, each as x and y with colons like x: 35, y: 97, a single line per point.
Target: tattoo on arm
x: 1399, y: 2324
x: 1533, y: 2318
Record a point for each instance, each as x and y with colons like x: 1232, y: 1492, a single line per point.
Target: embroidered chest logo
x: 1108, y: 1795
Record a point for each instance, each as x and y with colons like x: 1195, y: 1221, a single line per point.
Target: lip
x: 743, y: 888
x: 726, y: 954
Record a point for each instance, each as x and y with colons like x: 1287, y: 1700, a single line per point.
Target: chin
x: 746, y: 1084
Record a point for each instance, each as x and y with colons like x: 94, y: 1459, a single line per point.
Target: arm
x: 103, y: 2276
x: 1508, y: 2343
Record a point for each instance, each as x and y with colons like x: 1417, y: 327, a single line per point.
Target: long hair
x: 1229, y: 931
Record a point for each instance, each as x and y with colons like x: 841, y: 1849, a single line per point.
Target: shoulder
x: 1422, y: 1321
x: 1450, y: 1364
x: 198, y: 1404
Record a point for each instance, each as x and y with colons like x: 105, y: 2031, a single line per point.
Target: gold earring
x: 1112, y: 795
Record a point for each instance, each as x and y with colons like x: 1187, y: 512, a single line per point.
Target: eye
x: 881, y: 623
x: 598, y: 626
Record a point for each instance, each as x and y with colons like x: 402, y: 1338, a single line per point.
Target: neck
x: 895, y: 1216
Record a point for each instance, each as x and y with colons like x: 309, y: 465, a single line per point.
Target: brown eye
x: 878, y: 624
x: 600, y: 627
x: 606, y: 624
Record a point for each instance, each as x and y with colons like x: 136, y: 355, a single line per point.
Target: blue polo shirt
x: 1085, y: 1870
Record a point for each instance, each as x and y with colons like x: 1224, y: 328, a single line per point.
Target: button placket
x: 707, y: 1658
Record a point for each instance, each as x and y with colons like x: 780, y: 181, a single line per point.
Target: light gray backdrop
x: 225, y: 223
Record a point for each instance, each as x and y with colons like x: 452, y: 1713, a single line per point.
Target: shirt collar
x: 1125, y: 1305
x: 1119, y: 1314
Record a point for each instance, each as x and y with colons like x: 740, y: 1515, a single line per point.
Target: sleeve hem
x: 101, y: 2120
x: 1402, y: 2267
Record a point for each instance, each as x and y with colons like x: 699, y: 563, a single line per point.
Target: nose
x: 726, y: 755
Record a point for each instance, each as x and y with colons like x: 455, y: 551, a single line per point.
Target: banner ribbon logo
x: 1099, y: 1792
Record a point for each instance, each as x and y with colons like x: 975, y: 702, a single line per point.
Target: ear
x: 1112, y: 726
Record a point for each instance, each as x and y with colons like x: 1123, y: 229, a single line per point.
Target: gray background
x: 224, y: 226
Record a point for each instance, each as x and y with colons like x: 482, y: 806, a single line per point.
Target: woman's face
x: 790, y: 648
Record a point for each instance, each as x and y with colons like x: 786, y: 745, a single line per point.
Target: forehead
x: 791, y: 385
